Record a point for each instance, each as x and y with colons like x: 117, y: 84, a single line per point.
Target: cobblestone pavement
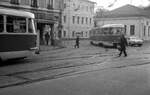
x: 55, y: 62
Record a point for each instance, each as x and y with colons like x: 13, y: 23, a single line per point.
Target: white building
x: 136, y: 20
x: 77, y: 18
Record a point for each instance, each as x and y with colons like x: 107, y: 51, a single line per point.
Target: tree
x: 100, y: 11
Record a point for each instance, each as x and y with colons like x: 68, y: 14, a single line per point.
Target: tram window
x: 16, y: 24
x: 30, y: 27
x: 1, y: 23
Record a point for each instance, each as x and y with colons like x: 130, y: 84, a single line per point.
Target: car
x: 134, y: 41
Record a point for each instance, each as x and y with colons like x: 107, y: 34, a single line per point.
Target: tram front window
x: 1, y: 23
x: 16, y: 24
x: 31, y: 26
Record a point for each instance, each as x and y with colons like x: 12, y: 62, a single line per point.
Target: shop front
x: 45, y: 21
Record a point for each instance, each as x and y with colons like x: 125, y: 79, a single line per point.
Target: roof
x: 89, y: 1
x: 126, y: 11
x: 16, y: 13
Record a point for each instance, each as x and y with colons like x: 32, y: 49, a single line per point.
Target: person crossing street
x: 123, y: 43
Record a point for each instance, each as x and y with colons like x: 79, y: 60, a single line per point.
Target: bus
x: 18, y: 38
x: 107, y: 35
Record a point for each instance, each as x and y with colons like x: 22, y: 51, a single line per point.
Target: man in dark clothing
x: 123, y: 43
x: 77, y: 42
x: 47, y: 36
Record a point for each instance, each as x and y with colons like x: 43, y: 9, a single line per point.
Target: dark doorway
x: 40, y: 28
x: 59, y: 34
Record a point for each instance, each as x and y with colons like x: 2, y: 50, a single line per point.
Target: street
x: 55, y: 65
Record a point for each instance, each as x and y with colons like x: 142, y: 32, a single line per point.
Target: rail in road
x: 87, y: 62
x: 56, y: 71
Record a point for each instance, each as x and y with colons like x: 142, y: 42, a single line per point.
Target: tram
x: 18, y: 38
x: 107, y: 35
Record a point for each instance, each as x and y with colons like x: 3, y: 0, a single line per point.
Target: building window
x: 15, y: 2
x: 144, y: 31
x: 64, y: 19
x: 50, y: 4
x: 34, y: 3
x: 95, y: 24
x: 1, y: 23
x: 86, y: 20
x: 64, y: 33
x: 147, y: 23
x: 132, y: 29
x: 73, y: 33
x: 91, y: 9
x: 81, y: 33
x: 73, y: 19
x: 65, y: 5
x: 90, y: 21
x: 86, y: 34
x: 87, y: 8
x: 125, y: 29
x: 78, y: 19
x: 82, y: 20
x: 149, y: 31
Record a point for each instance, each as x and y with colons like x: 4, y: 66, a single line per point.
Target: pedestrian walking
x: 47, y: 36
x: 122, y: 43
x: 77, y: 42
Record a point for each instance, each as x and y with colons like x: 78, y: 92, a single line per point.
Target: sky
x: 113, y: 4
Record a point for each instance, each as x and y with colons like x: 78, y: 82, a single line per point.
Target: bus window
x: 1, y: 23
x: 31, y: 27
x: 16, y: 24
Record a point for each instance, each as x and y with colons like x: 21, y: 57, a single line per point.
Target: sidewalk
x: 49, y: 47
x: 64, y: 44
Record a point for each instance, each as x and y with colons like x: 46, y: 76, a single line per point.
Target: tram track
x: 59, y: 75
x: 70, y: 73
x: 59, y: 66
x: 52, y: 68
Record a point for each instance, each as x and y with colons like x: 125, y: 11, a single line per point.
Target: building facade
x: 136, y: 20
x: 47, y: 13
x: 77, y: 18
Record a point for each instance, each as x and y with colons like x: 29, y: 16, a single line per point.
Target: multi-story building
x: 47, y: 12
x: 77, y: 18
